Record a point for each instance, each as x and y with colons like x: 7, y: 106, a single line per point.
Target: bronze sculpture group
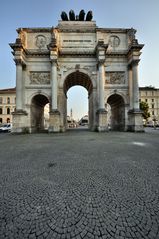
x: 80, y: 17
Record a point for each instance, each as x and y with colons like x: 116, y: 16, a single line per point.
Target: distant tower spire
x: 71, y: 114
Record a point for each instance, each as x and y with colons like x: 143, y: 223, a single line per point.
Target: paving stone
x: 102, y: 188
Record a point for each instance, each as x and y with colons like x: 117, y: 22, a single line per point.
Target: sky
x: 143, y: 15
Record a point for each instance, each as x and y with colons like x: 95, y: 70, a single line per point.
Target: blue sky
x: 142, y: 15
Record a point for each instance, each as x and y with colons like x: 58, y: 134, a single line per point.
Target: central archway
x: 80, y: 79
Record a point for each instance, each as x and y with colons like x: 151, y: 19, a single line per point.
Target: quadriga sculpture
x: 72, y: 15
x: 89, y: 16
x: 64, y: 16
x: 81, y: 15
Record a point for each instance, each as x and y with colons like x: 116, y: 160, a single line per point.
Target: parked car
x: 6, y: 127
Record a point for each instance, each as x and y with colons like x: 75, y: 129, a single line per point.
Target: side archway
x: 116, y: 112
x: 38, y: 120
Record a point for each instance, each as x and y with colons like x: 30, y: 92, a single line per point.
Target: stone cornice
x: 35, y: 30
x: 36, y: 53
x: 117, y: 54
x: 77, y: 53
x: 38, y: 87
x: 112, y: 30
x: 17, y: 46
x: 135, y: 46
x: 78, y: 30
x: 76, y: 26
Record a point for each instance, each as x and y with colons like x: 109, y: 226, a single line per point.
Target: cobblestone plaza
x: 79, y: 185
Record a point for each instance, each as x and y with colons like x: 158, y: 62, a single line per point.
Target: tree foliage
x: 145, y: 109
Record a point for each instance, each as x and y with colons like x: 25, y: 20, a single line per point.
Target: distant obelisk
x: 71, y: 114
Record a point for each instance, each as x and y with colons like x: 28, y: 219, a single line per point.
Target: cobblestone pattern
x: 82, y: 185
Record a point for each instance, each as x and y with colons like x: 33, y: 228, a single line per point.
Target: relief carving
x: 39, y: 78
x: 115, y: 77
x: 40, y: 41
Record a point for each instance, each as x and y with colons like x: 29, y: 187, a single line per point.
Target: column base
x: 54, y: 126
x: 19, y: 122
x: 135, y: 120
x: 102, y: 125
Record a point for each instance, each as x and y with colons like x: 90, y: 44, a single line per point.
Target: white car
x: 6, y: 127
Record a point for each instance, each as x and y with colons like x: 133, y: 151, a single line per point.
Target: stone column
x: 130, y: 87
x: 19, y: 116
x: 101, y: 112
x: 101, y: 84
x: 135, y: 85
x: 55, y: 125
x: 54, y: 85
x: 19, y: 86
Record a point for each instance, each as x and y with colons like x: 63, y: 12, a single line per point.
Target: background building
x: 7, y: 104
x: 150, y: 95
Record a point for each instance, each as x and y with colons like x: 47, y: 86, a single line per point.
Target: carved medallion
x: 40, y: 41
x: 39, y: 78
x: 115, y: 77
x: 114, y: 41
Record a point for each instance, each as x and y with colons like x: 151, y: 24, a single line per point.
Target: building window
x: 1, y: 120
x: 1, y: 111
x: 152, y: 112
x: 152, y: 106
x: 15, y: 100
x: 8, y: 120
x: 152, y: 100
x: 145, y: 100
x: 1, y: 100
x: 8, y: 111
x: 139, y: 100
x: 8, y: 100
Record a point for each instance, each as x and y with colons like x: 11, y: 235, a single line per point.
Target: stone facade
x: 51, y: 60
x: 7, y: 104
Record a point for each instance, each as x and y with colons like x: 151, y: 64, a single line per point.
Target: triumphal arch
x: 76, y: 52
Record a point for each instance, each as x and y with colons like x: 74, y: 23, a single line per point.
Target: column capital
x: 134, y: 62
x: 101, y: 61
x: 54, y: 62
x: 101, y: 45
x: 19, y: 61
